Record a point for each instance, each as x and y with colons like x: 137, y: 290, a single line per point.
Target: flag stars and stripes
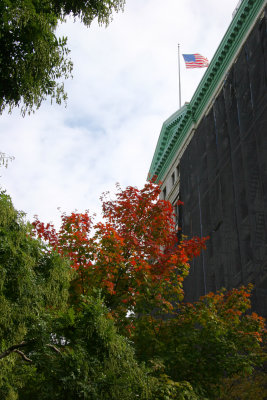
x: 195, y: 61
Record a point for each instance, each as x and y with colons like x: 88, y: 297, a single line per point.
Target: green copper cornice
x: 176, y: 128
x: 166, y: 138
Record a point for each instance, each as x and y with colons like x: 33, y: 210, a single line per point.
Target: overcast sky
x: 124, y: 86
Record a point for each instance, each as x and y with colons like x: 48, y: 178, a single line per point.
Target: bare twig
x: 22, y: 355
x: 53, y: 347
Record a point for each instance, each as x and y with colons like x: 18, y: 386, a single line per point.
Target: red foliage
x: 229, y: 308
x: 134, y: 256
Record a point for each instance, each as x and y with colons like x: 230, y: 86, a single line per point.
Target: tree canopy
x: 48, y: 348
x: 134, y: 255
x: 88, y: 10
x: 95, y: 311
x: 138, y: 261
x: 33, y: 60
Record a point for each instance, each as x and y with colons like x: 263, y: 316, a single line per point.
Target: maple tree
x: 205, y: 342
x: 134, y: 256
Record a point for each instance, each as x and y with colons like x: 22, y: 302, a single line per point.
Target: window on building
x: 176, y: 210
x: 173, y: 178
x: 178, y: 172
x: 178, y: 216
x: 164, y: 192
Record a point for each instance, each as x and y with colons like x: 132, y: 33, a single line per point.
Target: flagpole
x: 179, y: 75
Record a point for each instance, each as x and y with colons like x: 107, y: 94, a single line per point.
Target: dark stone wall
x: 224, y: 180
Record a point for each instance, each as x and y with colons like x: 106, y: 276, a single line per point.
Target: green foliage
x: 167, y: 389
x: 88, y: 10
x: 244, y: 387
x: 205, y: 342
x: 33, y: 61
x: 32, y: 58
x: 91, y: 361
x: 33, y: 284
x: 30, y: 277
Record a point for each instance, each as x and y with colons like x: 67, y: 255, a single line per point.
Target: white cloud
x: 125, y: 85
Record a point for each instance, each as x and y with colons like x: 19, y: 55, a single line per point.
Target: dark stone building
x: 212, y: 154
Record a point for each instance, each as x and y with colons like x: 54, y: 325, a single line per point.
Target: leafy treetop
x: 134, y: 255
x: 33, y: 60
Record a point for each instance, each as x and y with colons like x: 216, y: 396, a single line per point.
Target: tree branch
x: 53, y: 347
x: 22, y: 355
x: 13, y: 348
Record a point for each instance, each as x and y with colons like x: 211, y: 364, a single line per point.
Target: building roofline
x: 172, y: 121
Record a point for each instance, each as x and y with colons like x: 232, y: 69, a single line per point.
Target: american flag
x: 195, y: 61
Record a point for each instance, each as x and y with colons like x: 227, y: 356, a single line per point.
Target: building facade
x: 212, y: 155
